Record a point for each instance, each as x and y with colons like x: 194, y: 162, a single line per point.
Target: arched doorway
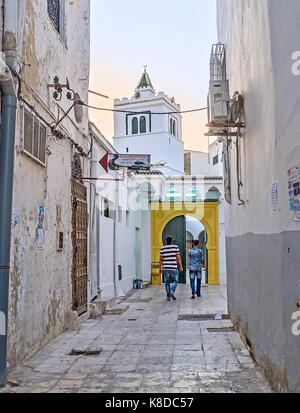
x: 197, y: 231
x: 206, y: 212
x: 176, y: 228
x: 184, y: 230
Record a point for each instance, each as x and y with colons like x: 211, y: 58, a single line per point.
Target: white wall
x: 121, y: 248
x: 194, y: 226
x: 260, y: 37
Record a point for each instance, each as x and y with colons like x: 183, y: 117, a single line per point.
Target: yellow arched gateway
x: 206, y: 212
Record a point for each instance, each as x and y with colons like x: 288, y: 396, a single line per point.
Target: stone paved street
x: 147, y: 349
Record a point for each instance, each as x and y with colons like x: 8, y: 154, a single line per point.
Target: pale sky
x: 172, y: 37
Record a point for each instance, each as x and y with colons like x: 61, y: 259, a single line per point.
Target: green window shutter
x: 143, y: 124
x: 135, y: 126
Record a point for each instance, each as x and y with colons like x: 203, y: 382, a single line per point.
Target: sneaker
x: 168, y: 299
x: 173, y: 297
x: 193, y: 297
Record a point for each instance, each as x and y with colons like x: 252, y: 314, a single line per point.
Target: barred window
x: 143, y: 125
x: 54, y: 13
x: 215, y: 160
x: 34, y: 136
x: 135, y: 126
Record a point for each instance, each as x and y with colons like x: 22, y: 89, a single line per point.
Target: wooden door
x: 177, y: 230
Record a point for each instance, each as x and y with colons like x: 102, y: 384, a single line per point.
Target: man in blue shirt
x: 195, y: 267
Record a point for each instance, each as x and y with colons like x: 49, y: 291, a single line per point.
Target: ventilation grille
x: 34, y: 137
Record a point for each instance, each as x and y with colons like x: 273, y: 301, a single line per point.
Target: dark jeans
x: 170, y: 277
x: 193, y: 275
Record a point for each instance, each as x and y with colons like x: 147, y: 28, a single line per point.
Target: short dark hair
x: 169, y: 240
x: 196, y: 243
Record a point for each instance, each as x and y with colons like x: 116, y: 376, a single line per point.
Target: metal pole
x: 7, y: 150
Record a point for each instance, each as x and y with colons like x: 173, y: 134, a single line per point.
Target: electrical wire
x: 32, y: 108
x: 64, y: 116
x: 57, y: 133
x: 80, y: 102
x: 60, y: 135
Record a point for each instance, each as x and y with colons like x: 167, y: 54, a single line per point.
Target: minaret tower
x: 147, y: 132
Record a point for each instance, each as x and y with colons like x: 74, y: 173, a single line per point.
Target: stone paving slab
x: 147, y: 350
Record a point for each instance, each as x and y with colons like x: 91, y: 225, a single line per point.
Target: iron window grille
x: 215, y: 160
x: 34, y: 136
x: 54, y: 11
x: 218, y: 62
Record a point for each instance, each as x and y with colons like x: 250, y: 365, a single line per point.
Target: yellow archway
x: 206, y: 212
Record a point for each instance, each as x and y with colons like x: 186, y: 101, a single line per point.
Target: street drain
x: 221, y: 330
x: 87, y: 352
x: 140, y: 309
x: 203, y: 317
x: 138, y: 300
x: 131, y: 319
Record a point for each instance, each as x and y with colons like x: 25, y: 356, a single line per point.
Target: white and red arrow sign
x: 132, y: 162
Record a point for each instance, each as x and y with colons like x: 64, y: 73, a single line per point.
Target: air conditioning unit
x: 218, y: 101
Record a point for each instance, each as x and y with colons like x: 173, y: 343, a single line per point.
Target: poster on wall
x: 41, y: 227
x: 294, y: 191
x: 274, y: 196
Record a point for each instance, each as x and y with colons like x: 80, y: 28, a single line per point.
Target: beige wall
x: 40, y: 288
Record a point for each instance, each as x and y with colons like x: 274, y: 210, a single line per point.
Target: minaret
x: 145, y: 88
x: 155, y: 129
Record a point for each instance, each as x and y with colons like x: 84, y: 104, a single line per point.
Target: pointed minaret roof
x: 145, y: 81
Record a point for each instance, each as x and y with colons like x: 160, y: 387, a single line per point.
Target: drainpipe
x: 7, y: 150
x: 115, y: 237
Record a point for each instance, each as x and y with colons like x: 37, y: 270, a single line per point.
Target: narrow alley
x: 154, y: 346
x: 147, y: 152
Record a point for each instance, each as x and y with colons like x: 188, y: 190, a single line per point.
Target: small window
x: 120, y: 272
x: 215, y: 160
x: 174, y: 127
x: 135, y: 126
x: 34, y: 136
x: 143, y: 125
x: 54, y: 10
x: 106, y: 208
x: 56, y: 15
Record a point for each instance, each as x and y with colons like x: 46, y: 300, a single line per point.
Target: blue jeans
x: 193, y: 275
x: 170, y: 277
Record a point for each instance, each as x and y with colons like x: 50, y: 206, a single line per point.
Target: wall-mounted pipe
x: 238, y: 168
x: 7, y: 152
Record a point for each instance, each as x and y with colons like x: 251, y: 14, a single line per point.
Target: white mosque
x: 155, y: 130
